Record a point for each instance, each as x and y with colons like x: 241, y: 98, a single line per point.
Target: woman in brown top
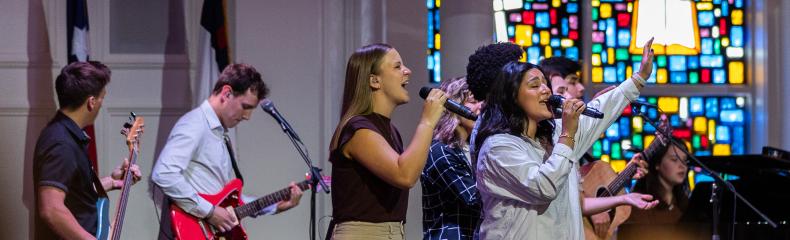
x: 371, y: 171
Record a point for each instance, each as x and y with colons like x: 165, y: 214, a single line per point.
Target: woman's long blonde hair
x: 357, y: 95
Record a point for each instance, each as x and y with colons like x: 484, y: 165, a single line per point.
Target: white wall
x: 300, y: 46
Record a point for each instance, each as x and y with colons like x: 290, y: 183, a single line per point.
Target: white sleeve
x: 611, y: 104
x: 174, y: 158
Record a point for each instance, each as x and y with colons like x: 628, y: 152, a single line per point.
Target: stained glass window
x: 710, y: 126
x: 543, y: 28
x: 434, y: 42
x: 696, y: 42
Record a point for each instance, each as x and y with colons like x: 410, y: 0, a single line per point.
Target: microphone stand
x: 315, y: 173
x: 718, y: 180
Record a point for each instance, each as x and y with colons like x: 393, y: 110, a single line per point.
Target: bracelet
x: 565, y: 135
x: 639, y: 79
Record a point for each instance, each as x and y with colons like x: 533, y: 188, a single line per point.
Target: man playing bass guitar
x: 67, y: 188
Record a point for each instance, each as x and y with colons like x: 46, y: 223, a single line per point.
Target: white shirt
x: 196, y: 160
x: 525, y: 197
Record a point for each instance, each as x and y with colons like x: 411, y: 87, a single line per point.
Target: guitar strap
x: 97, y: 185
x: 96, y: 181
x: 233, y: 158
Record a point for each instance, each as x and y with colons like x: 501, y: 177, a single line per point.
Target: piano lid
x: 772, y: 160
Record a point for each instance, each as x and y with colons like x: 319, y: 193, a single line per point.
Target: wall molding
x: 146, y: 111
x: 26, y: 111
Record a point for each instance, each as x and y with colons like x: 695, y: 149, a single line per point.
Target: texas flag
x: 77, y: 20
x: 78, y: 51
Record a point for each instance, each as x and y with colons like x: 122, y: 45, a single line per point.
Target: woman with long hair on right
x: 668, y: 181
x: 371, y: 171
x: 526, y: 169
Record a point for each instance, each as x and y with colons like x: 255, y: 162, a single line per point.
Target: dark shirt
x: 358, y: 194
x: 450, y: 201
x: 61, y: 160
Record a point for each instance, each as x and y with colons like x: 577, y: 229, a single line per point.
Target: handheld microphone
x: 268, y: 107
x: 557, y: 100
x: 451, y: 105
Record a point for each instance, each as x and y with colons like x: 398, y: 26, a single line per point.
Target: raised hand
x: 646, y: 67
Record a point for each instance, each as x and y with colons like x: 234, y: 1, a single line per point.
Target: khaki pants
x: 369, y: 231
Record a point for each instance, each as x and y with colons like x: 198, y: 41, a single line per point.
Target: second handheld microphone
x: 451, y: 105
x: 557, y: 100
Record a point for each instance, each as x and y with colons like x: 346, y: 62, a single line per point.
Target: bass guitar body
x: 103, y: 228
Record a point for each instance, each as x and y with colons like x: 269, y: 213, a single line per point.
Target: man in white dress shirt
x: 198, y: 156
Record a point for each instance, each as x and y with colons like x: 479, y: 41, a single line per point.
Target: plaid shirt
x: 450, y: 201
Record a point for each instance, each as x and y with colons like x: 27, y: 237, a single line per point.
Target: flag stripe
x: 214, y: 21
x: 78, y: 50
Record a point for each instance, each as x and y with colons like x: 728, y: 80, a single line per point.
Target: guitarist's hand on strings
x: 601, y: 222
x: 116, y: 178
x: 660, y: 142
x: 641, y: 170
x: 296, y: 194
x: 222, y: 219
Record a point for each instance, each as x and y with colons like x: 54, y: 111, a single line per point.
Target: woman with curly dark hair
x: 481, y: 72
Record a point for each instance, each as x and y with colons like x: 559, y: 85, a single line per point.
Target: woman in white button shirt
x: 526, y: 171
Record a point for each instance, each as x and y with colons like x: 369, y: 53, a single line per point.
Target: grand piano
x: 763, y: 179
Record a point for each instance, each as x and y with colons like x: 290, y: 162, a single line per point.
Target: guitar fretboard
x: 619, y: 181
x: 256, y: 206
x: 124, y: 198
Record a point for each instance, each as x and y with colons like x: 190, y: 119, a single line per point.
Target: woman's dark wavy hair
x: 650, y: 183
x: 502, y: 112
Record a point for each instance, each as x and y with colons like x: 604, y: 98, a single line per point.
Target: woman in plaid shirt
x: 450, y: 202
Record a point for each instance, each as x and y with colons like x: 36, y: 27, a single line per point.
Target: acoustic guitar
x: 601, y: 181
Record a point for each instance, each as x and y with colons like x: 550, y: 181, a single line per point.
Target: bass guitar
x: 132, y: 131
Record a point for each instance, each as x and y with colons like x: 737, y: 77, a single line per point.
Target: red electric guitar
x: 186, y: 226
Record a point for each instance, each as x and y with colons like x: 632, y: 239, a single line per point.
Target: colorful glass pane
x: 697, y: 41
x: 543, y: 28
x: 717, y: 134
x: 434, y: 42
